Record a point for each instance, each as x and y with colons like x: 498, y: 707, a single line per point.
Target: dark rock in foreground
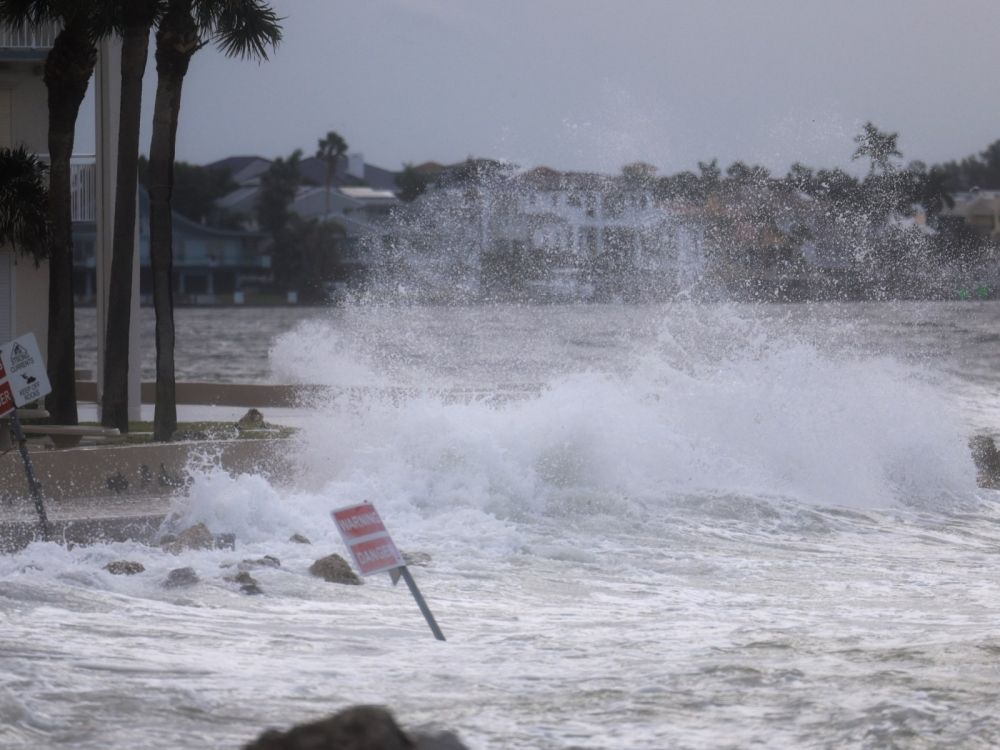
x: 334, y: 568
x: 124, y: 568
x: 355, y: 728
x: 181, y: 577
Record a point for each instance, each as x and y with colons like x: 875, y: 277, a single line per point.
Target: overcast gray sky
x: 595, y: 84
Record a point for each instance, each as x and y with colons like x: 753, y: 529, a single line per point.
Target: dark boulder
x: 194, y: 537
x: 267, y: 561
x: 181, y: 577
x: 335, y: 569
x: 124, y: 568
x: 248, y: 584
x: 355, y: 728
x: 299, y: 539
x: 252, y: 420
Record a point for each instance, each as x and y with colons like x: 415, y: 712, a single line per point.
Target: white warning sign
x: 24, y: 368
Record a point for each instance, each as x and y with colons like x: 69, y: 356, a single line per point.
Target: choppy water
x: 701, y: 527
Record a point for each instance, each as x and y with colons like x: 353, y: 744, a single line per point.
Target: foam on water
x: 770, y: 417
x: 723, y: 534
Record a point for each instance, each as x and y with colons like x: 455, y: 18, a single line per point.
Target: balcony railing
x: 40, y: 37
x: 83, y: 187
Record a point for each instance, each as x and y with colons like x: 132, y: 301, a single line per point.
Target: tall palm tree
x: 240, y: 28
x: 136, y: 19
x: 330, y: 149
x: 878, y: 146
x: 23, y: 195
x: 68, y: 69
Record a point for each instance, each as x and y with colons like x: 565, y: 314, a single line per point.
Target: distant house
x: 210, y: 265
x: 360, y: 196
x: 980, y: 209
x: 23, y: 121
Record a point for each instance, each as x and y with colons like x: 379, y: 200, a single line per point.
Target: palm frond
x: 23, y: 202
x: 20, y: 13
x: 241, y: 28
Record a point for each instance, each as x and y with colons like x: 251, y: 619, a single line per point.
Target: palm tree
x: 878, y: 147
x: 23, y: 198
x: 330, y: 149
x: 68, y: 69
x: 240, y: 28
x: 136, y: 18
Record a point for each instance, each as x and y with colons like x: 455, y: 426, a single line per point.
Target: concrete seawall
x: 113, y: 493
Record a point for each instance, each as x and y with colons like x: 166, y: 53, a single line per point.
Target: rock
x: 124, y: 568
x: 420, y: 559
x: 267, y: 561
x: 355, y: 728
x: 299, y: 539
x: 181, y: 577
x: 987, y: 459
x: 194, y: 537
x: 248, y: 584
x: 334, y: 568
x: 252, y: 420
x: 225, y: 541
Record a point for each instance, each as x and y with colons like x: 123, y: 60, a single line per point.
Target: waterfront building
x: 210, y: 265
x: 23, y: 122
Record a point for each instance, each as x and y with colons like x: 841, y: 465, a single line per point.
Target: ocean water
x: 671, y: 526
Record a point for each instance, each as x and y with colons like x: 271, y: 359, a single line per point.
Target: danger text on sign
x: 376, y: 555
x: 6, y: 399
x: 367, y: 539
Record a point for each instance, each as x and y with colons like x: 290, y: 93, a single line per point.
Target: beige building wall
x: 24, y: 289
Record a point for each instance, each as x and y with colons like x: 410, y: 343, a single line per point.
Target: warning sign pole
x: 33, y: 485
x: 424, y: 609
x: 23, y: 380
x: 373, y: 551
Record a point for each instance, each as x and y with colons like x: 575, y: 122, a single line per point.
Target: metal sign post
x: 23, y: 380
x: 373, y: 551
x: 33, y: 484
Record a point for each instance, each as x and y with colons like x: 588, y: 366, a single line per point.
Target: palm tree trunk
x: 135, y: 50
x: 176, y: 41
x: 68, y: 69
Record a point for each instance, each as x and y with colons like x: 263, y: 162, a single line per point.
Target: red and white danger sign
x: 368, y: 540
x: 6, y: 398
